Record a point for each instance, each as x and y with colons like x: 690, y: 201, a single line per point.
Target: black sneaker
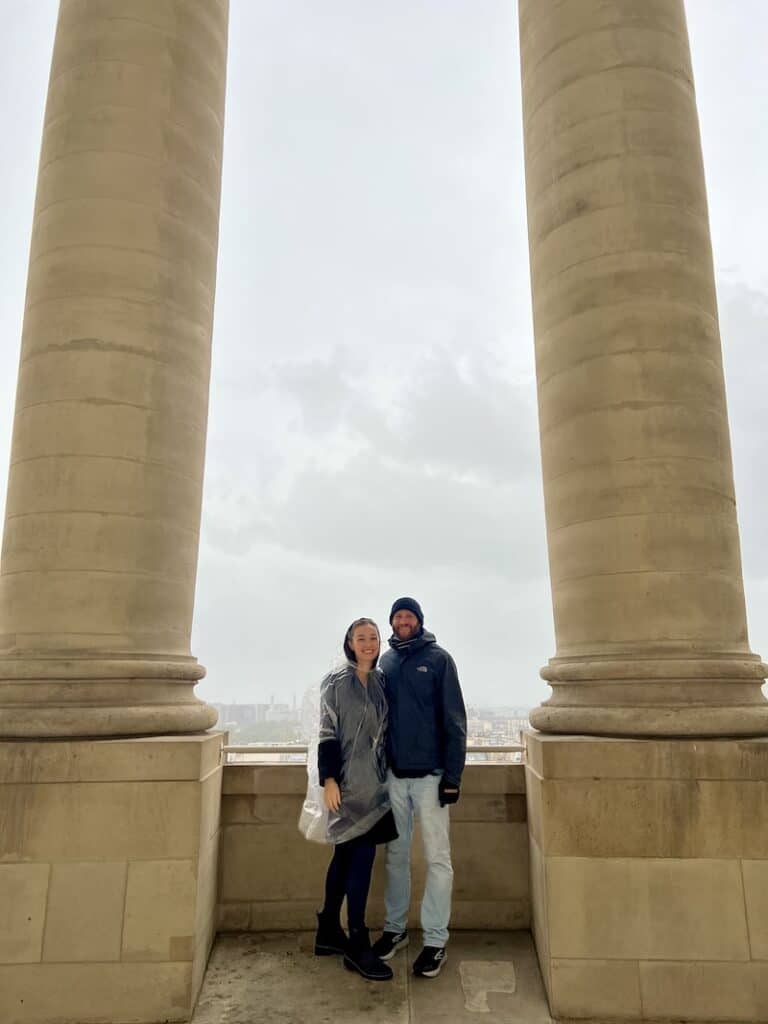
x: 389, y: 943
x: 429, y: 962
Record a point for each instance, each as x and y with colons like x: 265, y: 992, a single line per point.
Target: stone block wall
x: 649, y: 867
x: 271, y: 878
x: 108, y: 867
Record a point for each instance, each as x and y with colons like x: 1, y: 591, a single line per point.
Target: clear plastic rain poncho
x: 355, y: 716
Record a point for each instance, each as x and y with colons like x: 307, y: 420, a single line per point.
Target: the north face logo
x: 422, y: 668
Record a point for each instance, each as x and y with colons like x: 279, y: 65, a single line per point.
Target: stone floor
x: 273, y: 978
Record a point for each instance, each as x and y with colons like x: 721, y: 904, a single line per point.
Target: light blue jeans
x: 409, y: 797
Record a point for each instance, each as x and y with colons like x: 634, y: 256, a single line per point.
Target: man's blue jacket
x: 427, y: 720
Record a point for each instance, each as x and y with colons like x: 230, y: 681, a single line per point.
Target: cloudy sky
x: 373, y: 423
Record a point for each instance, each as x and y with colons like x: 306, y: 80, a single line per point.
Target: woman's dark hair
x: 351, y: 656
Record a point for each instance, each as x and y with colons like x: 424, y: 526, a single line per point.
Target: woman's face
x: 365, y: 643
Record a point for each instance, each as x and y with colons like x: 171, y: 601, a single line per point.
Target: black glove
x: 447, y: 792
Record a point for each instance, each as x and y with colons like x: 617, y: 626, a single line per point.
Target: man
x: 426, y: 747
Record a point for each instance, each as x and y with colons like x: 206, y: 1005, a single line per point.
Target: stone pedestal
x: 108, y: 868
x: 649, y: 871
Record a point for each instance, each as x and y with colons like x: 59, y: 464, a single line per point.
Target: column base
x: 708, y: 697
x: 649, y: 874
x: 108, y: 867
x: 651, y: 721
x: 50, y: 698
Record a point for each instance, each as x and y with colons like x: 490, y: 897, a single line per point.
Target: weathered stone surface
x: 540, y: 912
x: 113, y: 760
x: 478, y: 852
x: 644, y: 909
x: 248, y: 856
x: 597, y: 989
x: 93, y: 993
x: 274, y: 978
x: 85, y: 912
x: 110, y: 821
x: 675, y: 818
x: 285, y: 780
x: 587, y: 757
x: 103, y: 876
x: 501, y: 807
x: 648, y: 893
x: 23, y: 898
x: 268, y: 779
x: 755, y: 873
x: 160, y: 904
x: 264, y: 809
x: 705, y: 991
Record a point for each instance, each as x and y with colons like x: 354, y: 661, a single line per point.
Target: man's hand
x: 447, y: 793
x: 332, y: 794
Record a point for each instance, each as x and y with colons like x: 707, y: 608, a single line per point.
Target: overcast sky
x: 372, y: 424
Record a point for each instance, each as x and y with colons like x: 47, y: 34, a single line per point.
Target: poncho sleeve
x: 329, y: 743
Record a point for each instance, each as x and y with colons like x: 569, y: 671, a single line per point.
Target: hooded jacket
x: 427, y: 720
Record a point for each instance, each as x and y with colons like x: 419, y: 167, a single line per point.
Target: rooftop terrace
x: 273, y: 978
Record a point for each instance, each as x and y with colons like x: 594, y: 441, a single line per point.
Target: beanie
x: 407, y: 604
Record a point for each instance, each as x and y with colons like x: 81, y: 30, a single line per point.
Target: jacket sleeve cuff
x: 329, y: 760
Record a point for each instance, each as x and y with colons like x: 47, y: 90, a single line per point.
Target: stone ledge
x: 592, y: 757
x: 291, y: 779
x: 142, y: 759
x: 273, y: 808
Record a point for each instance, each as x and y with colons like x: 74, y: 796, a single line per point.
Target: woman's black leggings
x: 349, y: 874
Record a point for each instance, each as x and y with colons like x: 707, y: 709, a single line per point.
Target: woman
x: 352, y: 770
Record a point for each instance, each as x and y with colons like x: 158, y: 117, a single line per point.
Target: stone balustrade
x: 271, y: 878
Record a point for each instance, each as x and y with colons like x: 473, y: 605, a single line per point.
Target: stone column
x: 101, y: 535
x: 641, y: 520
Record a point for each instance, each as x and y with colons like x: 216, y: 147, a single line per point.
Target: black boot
x: 360, y: 958
x: 331, y: 937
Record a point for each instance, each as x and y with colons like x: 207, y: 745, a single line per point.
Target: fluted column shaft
x: 103, y: 512
x: 641, y: 520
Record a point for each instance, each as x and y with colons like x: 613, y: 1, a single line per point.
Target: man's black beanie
x: 407, y: 604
